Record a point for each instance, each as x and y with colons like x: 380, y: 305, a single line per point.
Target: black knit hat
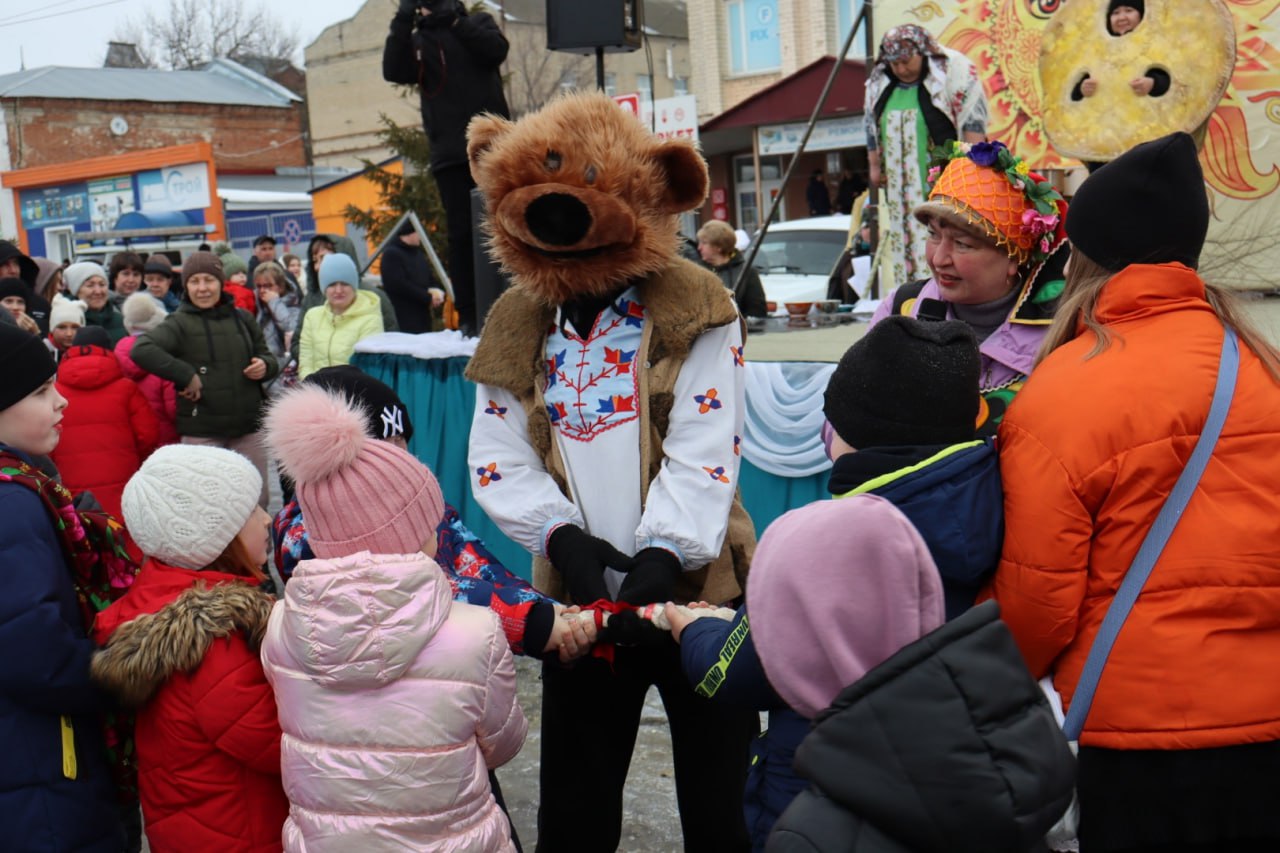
x: 386, y: 414
x: 27, y: 364
x: 93, y: 336
x: 1133, y: 4
x: 907, y: 381
x: 1147, y: 206
x: 14, y: 287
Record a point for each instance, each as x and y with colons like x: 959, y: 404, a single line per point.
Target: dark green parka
x: 217, y: 343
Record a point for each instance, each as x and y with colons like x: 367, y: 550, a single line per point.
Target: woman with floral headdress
x: 919, y: 95
x: 996, y: 248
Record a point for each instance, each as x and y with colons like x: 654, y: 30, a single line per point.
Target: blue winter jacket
x: 55, y: 791
x: 951, y: 494
x: 721, y: 663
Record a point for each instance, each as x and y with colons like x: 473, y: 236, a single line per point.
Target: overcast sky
x: 76, y: 32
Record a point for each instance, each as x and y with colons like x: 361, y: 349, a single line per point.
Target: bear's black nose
x: 558, y: 219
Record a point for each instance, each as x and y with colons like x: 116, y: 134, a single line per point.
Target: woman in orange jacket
x: 1181, y: 747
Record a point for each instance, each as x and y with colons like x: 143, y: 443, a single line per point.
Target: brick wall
x: 47, y: 131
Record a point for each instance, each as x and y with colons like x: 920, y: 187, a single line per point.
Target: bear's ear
x: 483, y: 131
x: 685, y: 186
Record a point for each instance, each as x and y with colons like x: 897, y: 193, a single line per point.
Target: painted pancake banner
x: 1241, y: 154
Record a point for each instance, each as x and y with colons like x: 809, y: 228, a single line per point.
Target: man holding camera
x: 453, y: 59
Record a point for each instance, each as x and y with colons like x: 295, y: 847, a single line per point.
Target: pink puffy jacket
x: 161, y: 395
x: 394, y: 702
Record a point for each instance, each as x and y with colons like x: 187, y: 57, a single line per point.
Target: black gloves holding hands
x: 581, y: 558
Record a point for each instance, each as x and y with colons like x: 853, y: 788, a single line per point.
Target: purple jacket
x: 1007, y: 355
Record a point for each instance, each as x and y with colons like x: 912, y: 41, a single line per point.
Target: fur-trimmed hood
x: 143, y: 648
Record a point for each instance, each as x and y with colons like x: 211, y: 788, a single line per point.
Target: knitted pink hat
x: 357, y: 493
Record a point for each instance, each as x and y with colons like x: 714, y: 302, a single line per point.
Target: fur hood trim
x: 144, y: 652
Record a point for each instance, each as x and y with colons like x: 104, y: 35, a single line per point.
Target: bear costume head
x: 581, y: 198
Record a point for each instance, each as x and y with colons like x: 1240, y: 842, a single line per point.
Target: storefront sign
x: 63, y: 205
x: 175, y: 188
x: 828, y: 135
x: 109, y: 199
x: 671, y: 118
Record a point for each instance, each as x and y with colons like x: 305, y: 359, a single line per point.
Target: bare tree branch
x: 190, y: 33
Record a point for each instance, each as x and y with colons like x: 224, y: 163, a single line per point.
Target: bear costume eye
x: 553, y: 161
x: 590, y: 175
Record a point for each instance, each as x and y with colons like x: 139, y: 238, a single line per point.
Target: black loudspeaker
x: 582, y: 26
x: 490, y: 280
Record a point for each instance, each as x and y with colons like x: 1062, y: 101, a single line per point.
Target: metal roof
x: 220, y: 82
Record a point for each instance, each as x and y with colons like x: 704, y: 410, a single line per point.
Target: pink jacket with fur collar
x: 394, y: 702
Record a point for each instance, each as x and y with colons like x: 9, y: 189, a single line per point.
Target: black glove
x: 581, y: 559
x: 628, y: 628
x: 408, y: 9
x: 651, y: 577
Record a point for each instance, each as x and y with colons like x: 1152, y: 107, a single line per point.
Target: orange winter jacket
x: 1088, y: 453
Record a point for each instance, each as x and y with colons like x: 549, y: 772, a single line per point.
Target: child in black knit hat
x: 901, y: 411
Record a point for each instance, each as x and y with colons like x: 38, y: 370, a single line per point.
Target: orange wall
x: 328, y: 203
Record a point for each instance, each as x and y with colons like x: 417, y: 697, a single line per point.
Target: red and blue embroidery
x: 716, y: 473
x: 737, y: 356
x: 488, y: 474
x: 707, y: 402
x: 737, y: 445
x: 592, y: 383
x: 494, y: 409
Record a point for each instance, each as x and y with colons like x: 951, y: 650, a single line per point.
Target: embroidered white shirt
x: 593, y: 400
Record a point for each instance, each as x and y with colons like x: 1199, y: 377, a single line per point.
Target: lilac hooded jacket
x: 394, y: 702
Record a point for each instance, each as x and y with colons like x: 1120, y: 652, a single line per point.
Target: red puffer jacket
x: 107, y: 430
x: 160, y: 393
x: 207, y: 736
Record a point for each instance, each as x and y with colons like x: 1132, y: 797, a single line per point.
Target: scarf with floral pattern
x: 101, y: 572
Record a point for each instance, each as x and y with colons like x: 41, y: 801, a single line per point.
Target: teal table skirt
x: 441, y: 401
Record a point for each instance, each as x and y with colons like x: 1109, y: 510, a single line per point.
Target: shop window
x: 754, y: 45
x: 846, y: 13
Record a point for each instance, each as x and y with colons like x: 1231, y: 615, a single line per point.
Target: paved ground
x: 651, y: 824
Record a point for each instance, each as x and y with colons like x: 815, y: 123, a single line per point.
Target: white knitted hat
x: 66, y: 310
x: 187, y: 502
x: 77, y: 274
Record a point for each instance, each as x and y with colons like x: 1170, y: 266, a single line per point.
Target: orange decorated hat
x: 998, y: 196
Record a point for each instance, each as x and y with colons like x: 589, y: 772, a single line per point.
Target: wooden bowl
x: 797, y: 309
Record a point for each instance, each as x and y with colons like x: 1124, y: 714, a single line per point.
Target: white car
x: 797, y: 257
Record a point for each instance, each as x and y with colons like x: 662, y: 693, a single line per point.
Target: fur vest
x: 683, y: 301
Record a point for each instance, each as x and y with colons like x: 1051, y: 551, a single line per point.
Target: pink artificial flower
x: 1044, y: 244
x: 1036, y: 223
x: 934, y: 172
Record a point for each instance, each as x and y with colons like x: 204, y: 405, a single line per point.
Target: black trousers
x: 590, y: 717
x: 455, y: 184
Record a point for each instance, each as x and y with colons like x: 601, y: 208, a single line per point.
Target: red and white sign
x: 630, y: 103
x: 672, y: 118
x: 719, y: 195
x: 721, y: 212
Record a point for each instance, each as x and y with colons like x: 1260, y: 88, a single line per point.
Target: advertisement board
x: 174, y: 188
x: 62, y: 205
x: 109, y: 199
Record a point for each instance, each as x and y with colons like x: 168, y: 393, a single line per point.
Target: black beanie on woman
x: 1147, y: 206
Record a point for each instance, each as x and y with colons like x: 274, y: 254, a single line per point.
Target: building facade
x: 347, y: 96
x: 83, y: 148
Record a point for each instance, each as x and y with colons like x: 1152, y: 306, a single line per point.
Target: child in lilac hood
x: 394, y: 700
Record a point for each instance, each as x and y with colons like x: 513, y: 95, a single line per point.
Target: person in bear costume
x: 606, y: 442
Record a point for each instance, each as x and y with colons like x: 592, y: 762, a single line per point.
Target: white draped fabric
x: 783, y: 431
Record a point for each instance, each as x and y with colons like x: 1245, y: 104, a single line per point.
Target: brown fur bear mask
x: 580, y: 197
